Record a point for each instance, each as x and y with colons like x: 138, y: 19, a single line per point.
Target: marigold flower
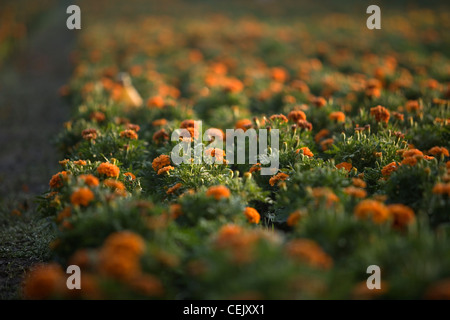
x: 410, y: 161
x: 160, y: 135
x: 133, y: 127
x: 120, y: 265
x: 125, y: 241
x: 108, y: 169
x: 114, y: 184
x: 159, y: 122
x: 217, y: 153
x: 175, y: 210
x: 160, y: 162
x: 130, y: 175
x: 80, y: 163
x: 412, y: 105
x: 303, y: 124
x: 174, y: 188
x: 189, y: 123
x: 294, y: 218
x: 380, y: 113
x: 296, y: 115
x: 338, y: 116
x: 43, y: 281
x: 355, y: 192
x: 372, y: 209
x: 362, y: 292
x: 439, y: 290
x: 243, y: 124
x: 97, y: 116
x: 156, y: 102
x: 319, y: 102
x: 278, y: 177
x: 325, y: 144
x: 306, y: 152
x: 279, y: 117
x: 82, y: 197
x: 399, y: 116
x: 412, y: 153
x: 321, y: 134
x: 65, y: 213
x: 441, y: 188
x: 439, y: 151
x: 255, y: 168
x: 58, y: 179
x: 89, y: 134
x: 64, y: 162
x: 357, y: 182
x: 344, y: 165
x: 322, y: 193
x: 402, y: 215
x: 129, y: 134
x: 218, y: 192
x: 308, y: 251
x: 147, y: 285
x: 279, y: 74
x: 252, y: 215
x: 165, y: 170
x: 89, y: 179
x: 389, y: 168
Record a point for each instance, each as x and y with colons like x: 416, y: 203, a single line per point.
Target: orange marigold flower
x: 325, y: 144
x: 310, y: 252
x: 278, y: 177
x: 108, y: 169
x: 389, y: 168
x: 44, y: 281
x: 65, y: 213
x: 159, y: 122
x: 82, y: 197
x: 439, y: 151
x: 357, y: 182
x: 189, y: 123
x: 344, y: 165
x: 129, y: 134
x: 296, y: 115
x: 114, y: 184
x: 338, y: 116
x: 321, y: 134
x: 280, y: 117
x: 130, y: 175
x: 355, y: 192
x: 217, y: 153
x: 133, y: 127
x: 175, y: 210
x: 294, y: 218
x: 439, y: 290
x: 322, y: 193
x: 303, y: 124
x: 218, y: 192
x: 441, y: 188
x: 89, y: 134
x: 412, y: 153
x: 279, y: 74
x: 398, y: 116
x: 410, y: 161
x: 58, y: 179
x: 380, y: 113
x: 64, y: 162
x: 174, y: 188
x: 255, y: 168
x: 243, y: 124
x: 160, y: 135
x: 80, y: 163
x: 319, y: 102
x: 165, y: 170
x: 412, y: 105
x: 372, y: 209
x: 160, y: 162
x: 252, y: 215
x: 156, y: 102
x: 125, y: 241
x: 402, y: 215
x: 89, y: 179
x: 306, y: 151
x: 147, y: 284
x: 97, y: 116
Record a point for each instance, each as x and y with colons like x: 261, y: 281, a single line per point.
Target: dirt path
x: 31, y: 114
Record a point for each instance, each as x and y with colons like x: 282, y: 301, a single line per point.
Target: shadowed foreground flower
x: 294, y: 218
x: 389, y: 168
x: 174, y: 188
x: 308, y: 251
x: 89, y: 179
x: 89, y: 134
x: 355, y: 192
x: 439, y: 290
x: 218, y: 192
x: 252, y: 215
x: 44, y: 281
x: 338, y: 116
x: 108, y: 169
x: 323, y: 193
x: 373, y: 209
x: 402, y: 215
x: 82, y: 197
x: 344, y: 165
x: 439, y: 151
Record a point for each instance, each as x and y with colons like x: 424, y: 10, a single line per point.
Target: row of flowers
x: 363, y: 177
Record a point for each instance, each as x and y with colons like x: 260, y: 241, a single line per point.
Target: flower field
x: 364, y: 168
